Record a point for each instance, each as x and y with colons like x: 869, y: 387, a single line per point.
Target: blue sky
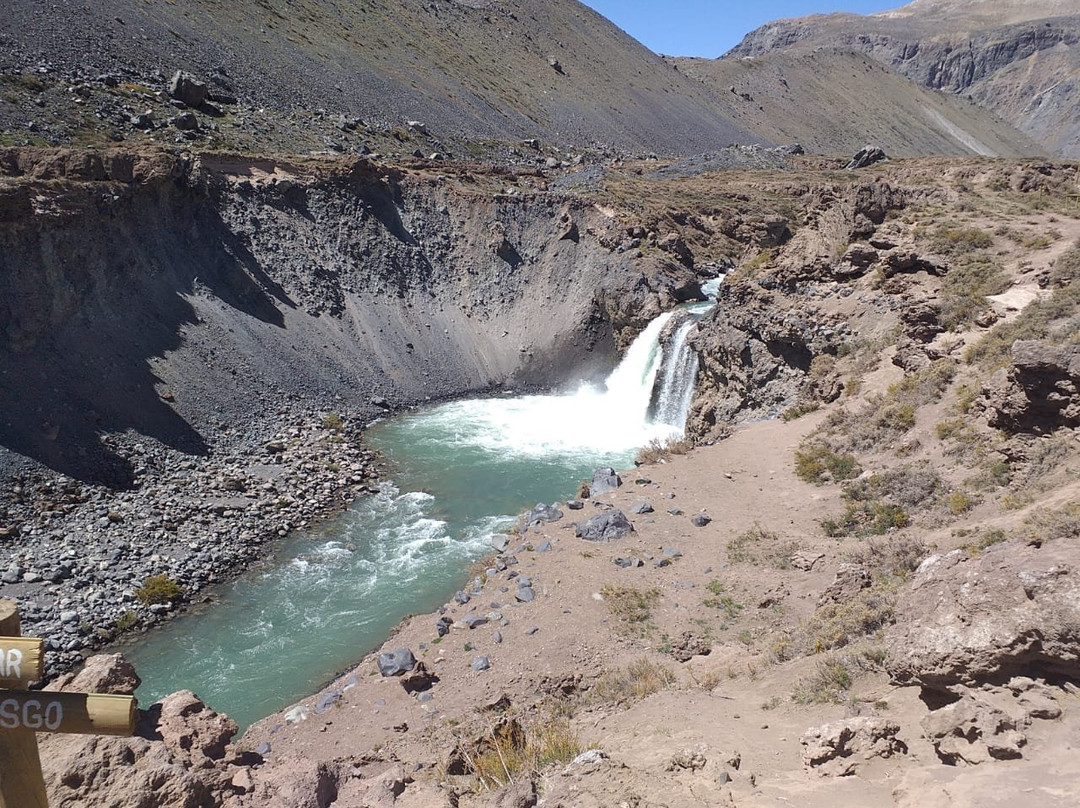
x: 711, y: 27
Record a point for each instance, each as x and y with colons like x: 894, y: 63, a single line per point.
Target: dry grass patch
x: 510, y: 750
x: 759, y: 546
x: 828, y: 684
x: 1050, y: 525
x: 631, y: 606
x: 633, y: 683
x: 885, y: 418
x: 1055, y: 319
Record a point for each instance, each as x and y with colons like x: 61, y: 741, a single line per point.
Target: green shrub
x: 158, y: 589
x: 817, y: 463
x: 866, y: 519
x: 333, y: 421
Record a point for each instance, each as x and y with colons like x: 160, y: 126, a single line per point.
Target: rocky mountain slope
x: 506, y: 71
x: 1018, y: 59
x: 835, y: 101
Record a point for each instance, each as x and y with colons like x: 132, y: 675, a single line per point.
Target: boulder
x: 419, y: 680
x: 187, y: 122
x: 103, y: 673
x: 542, y: 514
x: 856, y: 260
x: 839, y: 747
x: 1014, y: 610
x: 396, y: 662
x: 185, y: 87
x: 867, y: 156
x: 604, y: 527
x: 118, y: 772
x: 182, y: 762
x: 195, y: 734
x: 603, y: 480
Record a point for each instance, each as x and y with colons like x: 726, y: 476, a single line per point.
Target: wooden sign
x: 24, y: 713
x: 79, y: 713
x: 22, y: 660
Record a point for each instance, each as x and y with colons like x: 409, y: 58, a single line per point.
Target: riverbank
x: 663, y: 652
x: 79, y: 555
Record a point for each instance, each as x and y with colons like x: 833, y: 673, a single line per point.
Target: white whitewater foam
x: 587, y: 422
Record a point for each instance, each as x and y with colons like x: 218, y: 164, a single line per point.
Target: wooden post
x: 22, y: 784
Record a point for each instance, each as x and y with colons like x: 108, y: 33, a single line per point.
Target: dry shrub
x: 910, y: 486
x: 957, y: 239
x: 1062, y: 523
x: 868, y: 518
x: 889, y: 558
x: 828, y: 684
x: 760, y: 546
x: 1066, y: 268
x: 836, y: 625
x: 816, y: 463
x: 509, y: 750
x: 657, y: 451
x: 633, y: 683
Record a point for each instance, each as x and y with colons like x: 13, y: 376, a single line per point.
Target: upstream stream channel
x: 463, y: 471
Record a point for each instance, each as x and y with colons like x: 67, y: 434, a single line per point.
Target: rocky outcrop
x: 1039, y: 392
x: 180, y: 758
x: 253, y: 259
x: 754, y: 357
x: 838, y: 748
x: 1014, y: 610
x: 973, y: 731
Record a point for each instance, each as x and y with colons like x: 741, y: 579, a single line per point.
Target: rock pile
x: 76, y: 554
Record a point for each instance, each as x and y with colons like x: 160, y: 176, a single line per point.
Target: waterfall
x: 671, y: 398
x: 279, y: 632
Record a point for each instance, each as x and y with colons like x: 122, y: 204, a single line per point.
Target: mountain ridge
x: 1022, y: 67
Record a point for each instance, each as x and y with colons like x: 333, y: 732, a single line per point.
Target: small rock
x: 525, y: 594
x: 481, y: 663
